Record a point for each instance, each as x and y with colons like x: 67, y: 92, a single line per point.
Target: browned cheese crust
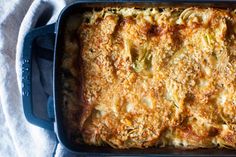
x: 155, y: 77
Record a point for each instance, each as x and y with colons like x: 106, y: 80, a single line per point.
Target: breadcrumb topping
x: 153, y: 77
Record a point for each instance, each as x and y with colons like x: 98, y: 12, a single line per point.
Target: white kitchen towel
x: 17, y: 136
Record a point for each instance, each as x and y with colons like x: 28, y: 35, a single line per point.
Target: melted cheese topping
x: 158, y: 77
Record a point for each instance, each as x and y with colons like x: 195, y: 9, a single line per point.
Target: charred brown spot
x: 127, y: 20
x: 232, y: 58
x: 213, y: 132
x: 154, y: 30
x: 230, y: 29
x: 98, y: 21
x: 176, y: 35
x: 189, y: 97
x: 144, y: 29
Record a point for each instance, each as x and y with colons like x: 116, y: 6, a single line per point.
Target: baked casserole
x: 136, y: 78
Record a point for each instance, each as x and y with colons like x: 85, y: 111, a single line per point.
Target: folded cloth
x: 17, y: 136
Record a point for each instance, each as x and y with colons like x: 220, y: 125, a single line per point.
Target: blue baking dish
x: 53, y: 38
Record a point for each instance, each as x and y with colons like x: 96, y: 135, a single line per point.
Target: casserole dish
x: 60, y: 130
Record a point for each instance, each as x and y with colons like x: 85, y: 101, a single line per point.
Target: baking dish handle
x: 27, y: 75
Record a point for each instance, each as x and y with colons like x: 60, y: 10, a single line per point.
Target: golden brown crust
x: 159, y: 78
